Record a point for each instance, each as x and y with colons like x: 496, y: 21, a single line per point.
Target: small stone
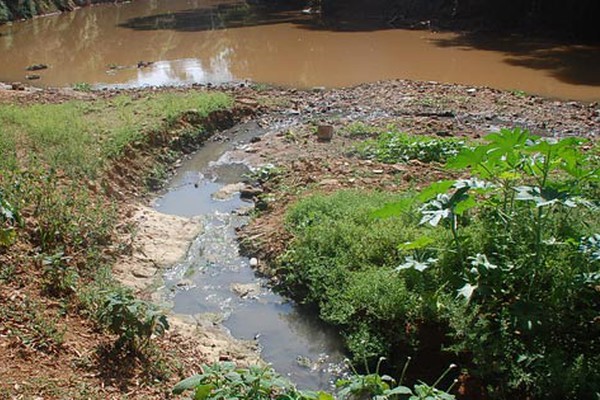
x: 246, y: 290
x: 185, y: 283
x: 32, y: 77
x: 329, y: 182
x: 36, y: 67
x: 378, y: 171
x: 228, y: 191
x: 250, y: 192
x: 144, y: 273
x: 253, y: 262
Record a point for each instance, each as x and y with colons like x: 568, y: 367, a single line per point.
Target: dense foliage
x: 17, y: 9
x: 568, y: 18
x: 501, y: 269
x: 225, y: 381
x: 565, y: 17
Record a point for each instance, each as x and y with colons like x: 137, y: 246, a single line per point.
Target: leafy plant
x: 359, y: 129
x: 383, y: 387
x: 524, y: 215
x: 343, y: 261
x: 61, y: 278
x: 9, y: 217
x: 223, y: 381
x: 134, y: 320
x: 503, y: 264
x: 82, y: 87
x: 264, y: 173
x: 394, y: 147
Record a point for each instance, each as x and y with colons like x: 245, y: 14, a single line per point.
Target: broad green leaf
x: 434, y: 189
x: 464, y: 205
x: 434, y: 217
x: 203, y: 392
x: 399, y: 390
x: 411, y: 262
x: 394, y: 209
x: 188, y: 383
x: 467, y: 291
x: 416, y: 244
x: 467, y: 158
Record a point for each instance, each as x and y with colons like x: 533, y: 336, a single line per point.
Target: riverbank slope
x: 75, y: 218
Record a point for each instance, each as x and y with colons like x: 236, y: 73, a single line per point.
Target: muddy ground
x: 304, y: 165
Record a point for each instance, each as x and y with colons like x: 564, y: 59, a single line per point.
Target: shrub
x: 133, y: 320
x: 343, y: 261
x: 518, y: 260
x: 503, y: 264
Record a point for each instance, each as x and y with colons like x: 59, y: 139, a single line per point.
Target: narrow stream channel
x: 215, y: 279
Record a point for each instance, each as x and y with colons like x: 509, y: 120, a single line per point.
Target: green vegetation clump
x: 343, y: 260
x: 79, y: 137
x: 226, y: 381
x: 396, y: 147
x: 500, y: 269
x: 15, y: 9
x: 5, y: 14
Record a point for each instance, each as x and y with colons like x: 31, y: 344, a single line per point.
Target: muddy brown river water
x: 201, y: 41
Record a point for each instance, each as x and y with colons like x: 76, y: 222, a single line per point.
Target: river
x: 208, y: 41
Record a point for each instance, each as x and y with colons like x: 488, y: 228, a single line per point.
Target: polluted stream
x: 216, y: 282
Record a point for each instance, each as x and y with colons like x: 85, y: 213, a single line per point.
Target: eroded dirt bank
x: 305, y: 165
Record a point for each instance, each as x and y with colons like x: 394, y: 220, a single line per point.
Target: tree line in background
x: 11, y: 10
x: 572, y: 18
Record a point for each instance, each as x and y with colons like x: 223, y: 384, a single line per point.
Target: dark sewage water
x: 215, y: 280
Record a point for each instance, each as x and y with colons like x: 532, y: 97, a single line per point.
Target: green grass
x: 78, y: 137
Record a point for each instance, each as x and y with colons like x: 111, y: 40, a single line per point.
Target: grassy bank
x: 497, y: 272
x: 63, y: 171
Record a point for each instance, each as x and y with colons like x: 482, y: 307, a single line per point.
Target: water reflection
x: 184, y: 71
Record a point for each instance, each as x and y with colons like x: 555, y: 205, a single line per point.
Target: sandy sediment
x: 157, y: 242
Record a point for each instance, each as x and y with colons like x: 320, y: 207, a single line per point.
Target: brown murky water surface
x: 200, y: 41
